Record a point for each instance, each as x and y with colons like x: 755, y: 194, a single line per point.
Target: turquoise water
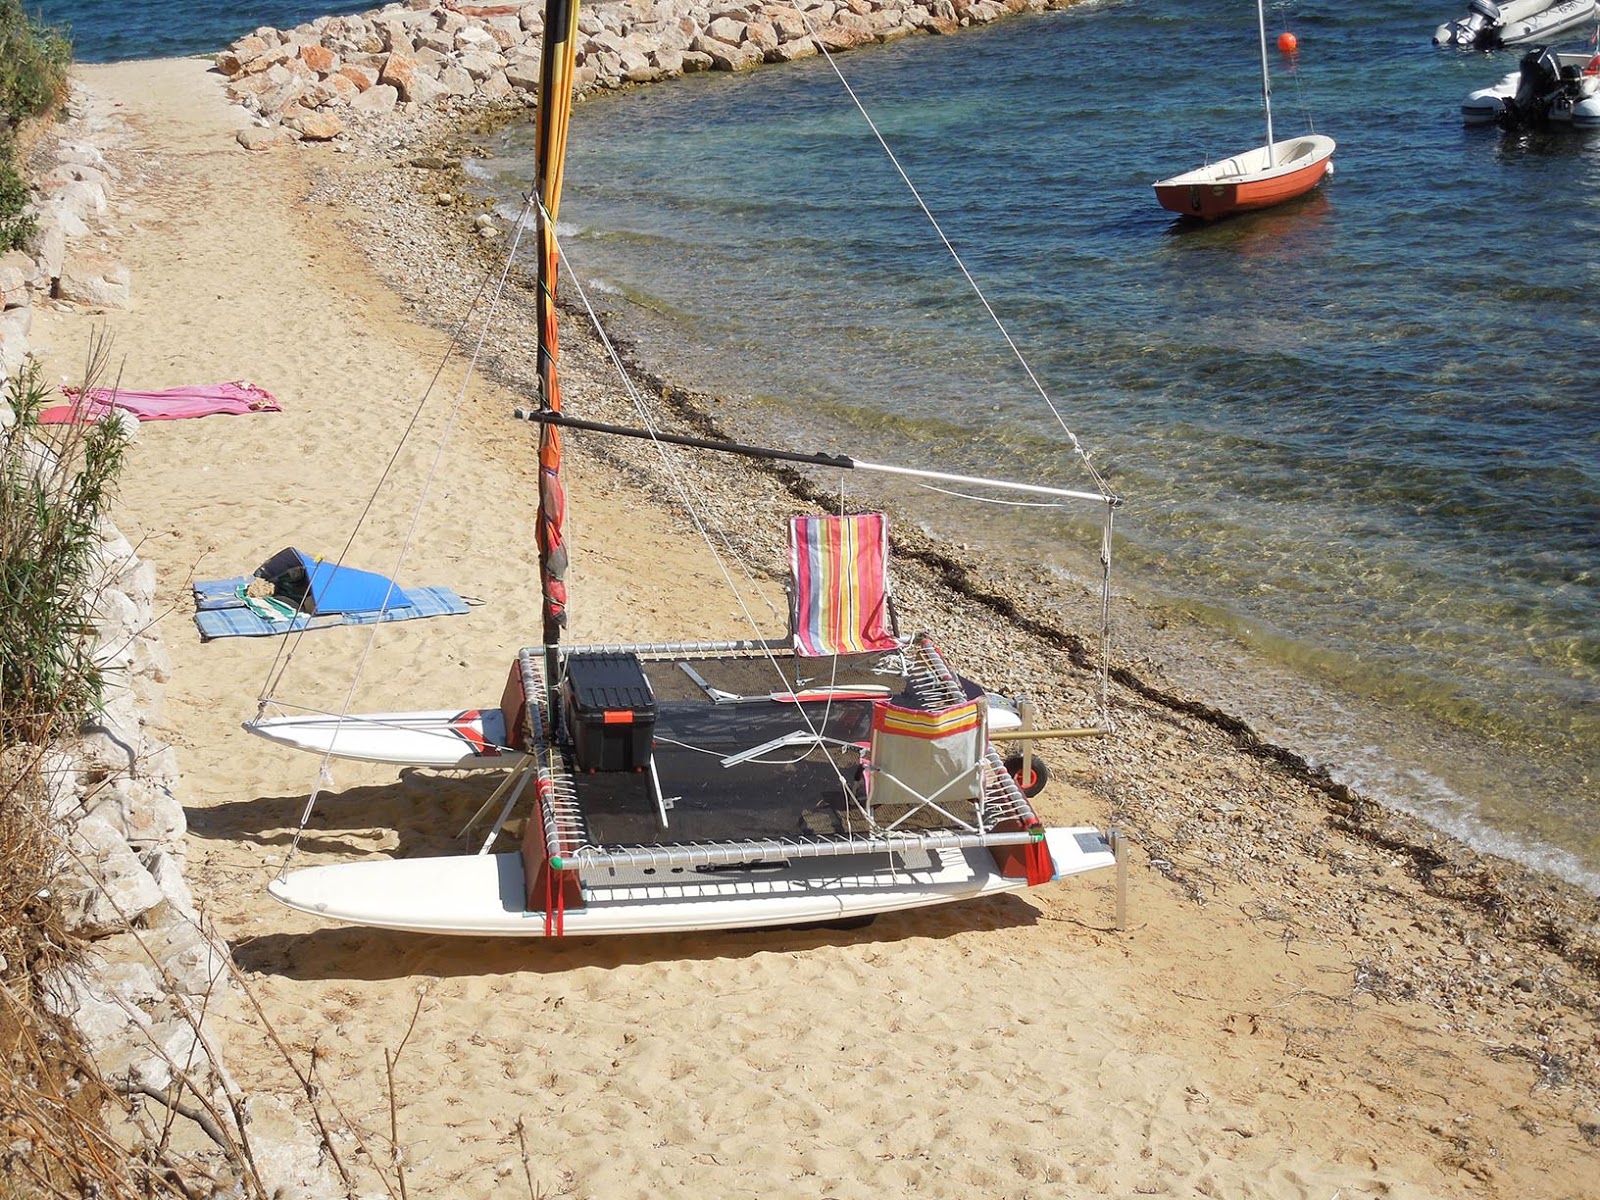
x: 1357, y: 435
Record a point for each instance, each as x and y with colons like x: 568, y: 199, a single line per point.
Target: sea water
x: 116, y: 30
x: 1357, y: 435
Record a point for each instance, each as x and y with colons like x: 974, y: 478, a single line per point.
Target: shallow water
x: 1355, y: 434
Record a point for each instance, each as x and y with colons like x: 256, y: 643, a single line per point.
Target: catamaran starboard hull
x: 445, y: 739
x: 483, y: 894
x: 1247, y: 182
x: 453, y: 738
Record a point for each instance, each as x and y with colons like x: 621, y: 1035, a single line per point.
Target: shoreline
x: 1473, y: 765
x: 1446, y: 866
x: 1397, y: 1013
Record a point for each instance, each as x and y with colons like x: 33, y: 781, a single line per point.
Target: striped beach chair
x: 926, y: 759
x: 839, y: 585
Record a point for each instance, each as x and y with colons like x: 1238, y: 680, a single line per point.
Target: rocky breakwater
x: 144, y: 992
x: 309, y: 82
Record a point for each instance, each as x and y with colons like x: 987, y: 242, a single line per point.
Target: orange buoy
x: 1287, y: 42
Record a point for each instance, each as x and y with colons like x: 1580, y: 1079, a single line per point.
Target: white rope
x: 989, y: 499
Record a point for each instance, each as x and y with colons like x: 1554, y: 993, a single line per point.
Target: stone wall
x: 152, y: 973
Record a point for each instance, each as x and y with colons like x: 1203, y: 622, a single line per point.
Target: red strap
x: 1039, y: 865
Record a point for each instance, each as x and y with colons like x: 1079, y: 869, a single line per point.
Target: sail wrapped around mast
x: 556, y: 70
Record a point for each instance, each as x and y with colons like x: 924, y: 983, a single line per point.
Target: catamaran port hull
x: 444, y: 739
x: 483, y: 895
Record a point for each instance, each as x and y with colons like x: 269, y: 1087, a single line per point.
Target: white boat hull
x: 1568, y: 95
x: 446, y: 739
x: 483, y: 895
x: 1554, y: 22
x: 443, y: 739
x: 1516, y: 22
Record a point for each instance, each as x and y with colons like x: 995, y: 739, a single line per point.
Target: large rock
x: 259, y: 137
x: 314, y: 125
x: 246, y: 50
x: 379, y: 99
x: 48, y: 246
x: 102, y: 885
x: 96, y: 281
x: 524, y: 75
x: 103, y: 1004
x: 18, y: 274
x: 319, y: 58
x: 402, y: 72
x: 194, y: 964
x: 144, y: 814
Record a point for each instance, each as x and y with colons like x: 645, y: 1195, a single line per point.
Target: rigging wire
x: 954, y: 254
x: 325, y: 774
x: 1112, y: 499
x: 1294, y: 73
x: 688, y: 501
x: 286, y: 649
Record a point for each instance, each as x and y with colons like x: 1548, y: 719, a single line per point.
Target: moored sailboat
x: 1257, y: 178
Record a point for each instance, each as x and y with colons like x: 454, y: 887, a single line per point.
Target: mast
x: 556, y: 69
x: 1266, y: 77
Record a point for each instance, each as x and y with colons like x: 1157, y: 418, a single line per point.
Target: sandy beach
x: 1312, y: 998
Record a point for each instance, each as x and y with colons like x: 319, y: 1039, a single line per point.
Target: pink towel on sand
x: 198, y: 400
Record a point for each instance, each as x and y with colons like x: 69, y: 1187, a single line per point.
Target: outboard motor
x: 1538, y: 82
x: 1483, y: 16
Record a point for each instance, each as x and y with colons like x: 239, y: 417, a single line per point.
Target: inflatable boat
x: 1515, y: 22
x: 1546, y: 88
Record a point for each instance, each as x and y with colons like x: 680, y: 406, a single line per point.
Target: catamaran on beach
x: 840, y: 771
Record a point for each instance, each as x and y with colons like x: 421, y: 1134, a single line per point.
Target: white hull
x: 1554, y: 22
x: 1256, y: 178
x: 446, y: 739
x: 482, y: 895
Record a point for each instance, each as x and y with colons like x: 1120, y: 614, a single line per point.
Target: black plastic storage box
x: 610, y: 711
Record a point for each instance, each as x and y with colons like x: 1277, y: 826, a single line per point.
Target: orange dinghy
x: 1257, y: 178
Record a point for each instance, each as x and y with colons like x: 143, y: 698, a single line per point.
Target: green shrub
x: 33, y: 80
x: 33, y: 65
x: 15, y: 224
x: 55, y: 487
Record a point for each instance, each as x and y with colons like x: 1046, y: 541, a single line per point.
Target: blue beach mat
x: 311, y: 594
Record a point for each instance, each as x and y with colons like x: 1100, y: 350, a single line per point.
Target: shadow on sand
x: 378, y: 954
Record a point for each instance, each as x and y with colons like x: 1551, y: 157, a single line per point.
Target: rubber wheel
x: 1033, y: 784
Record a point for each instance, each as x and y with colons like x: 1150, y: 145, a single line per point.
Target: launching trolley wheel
x: 1031, y: 781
